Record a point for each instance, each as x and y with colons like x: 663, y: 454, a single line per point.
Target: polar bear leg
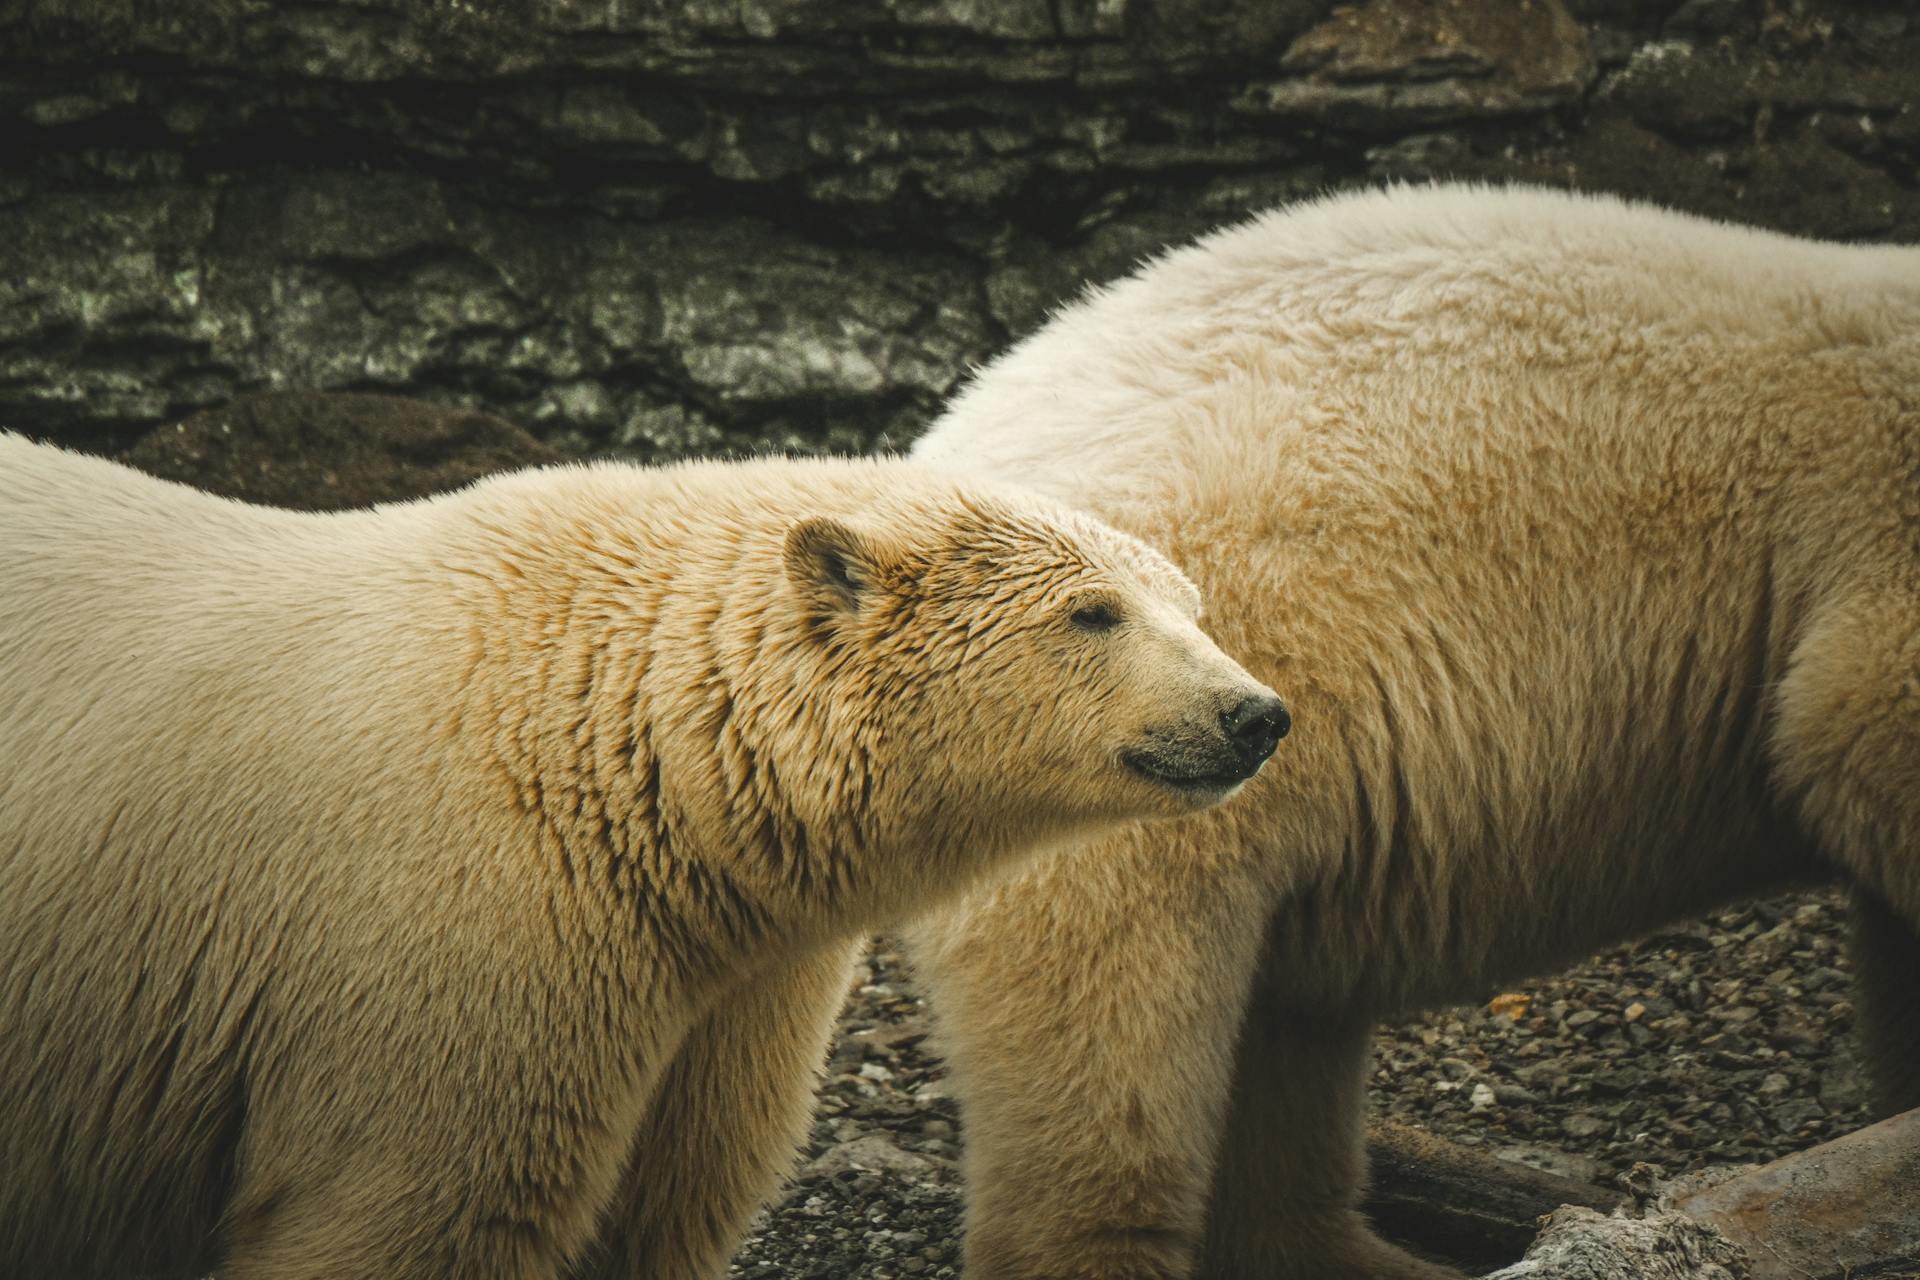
x: 724, y: 1127
x: 1088, y: 1011
x: 1293, y: 1159
x: 277, y: 1259
x: 1847, y: 753
x: 350, y: 1230
x: 1886, y: 959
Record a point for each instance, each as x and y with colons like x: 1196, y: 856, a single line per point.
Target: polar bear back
x: 171, y: 608
x: 1298, y: 305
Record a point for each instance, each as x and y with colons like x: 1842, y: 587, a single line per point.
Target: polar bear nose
x: 1256, y: 726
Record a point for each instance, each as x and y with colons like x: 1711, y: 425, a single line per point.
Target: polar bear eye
x: 1098, y: 616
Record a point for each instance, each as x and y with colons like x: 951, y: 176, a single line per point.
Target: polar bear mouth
x: 1184, y: 778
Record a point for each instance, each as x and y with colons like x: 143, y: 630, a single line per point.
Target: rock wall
x: 656, y: 228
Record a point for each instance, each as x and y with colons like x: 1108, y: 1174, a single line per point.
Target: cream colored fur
x: 464, y: 888
x: 1584, y: 539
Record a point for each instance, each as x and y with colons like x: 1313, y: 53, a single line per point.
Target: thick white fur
x: 464, y: 888
x: 1583, y: 538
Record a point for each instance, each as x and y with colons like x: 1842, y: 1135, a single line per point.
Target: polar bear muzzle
x: 1207, y: 764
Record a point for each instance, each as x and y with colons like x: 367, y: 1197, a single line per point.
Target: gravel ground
x: 1724, y: 1041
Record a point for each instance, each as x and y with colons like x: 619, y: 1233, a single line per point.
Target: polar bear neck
x: 654, y: 708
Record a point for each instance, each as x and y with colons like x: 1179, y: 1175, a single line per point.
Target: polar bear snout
x: 1255, y: 728
x: 1205, y: 763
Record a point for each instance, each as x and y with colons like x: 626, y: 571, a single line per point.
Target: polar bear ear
x: 834, y: 567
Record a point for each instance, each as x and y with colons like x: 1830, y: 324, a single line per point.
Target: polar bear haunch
x: 380, y: 887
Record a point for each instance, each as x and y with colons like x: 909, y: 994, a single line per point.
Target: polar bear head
x: 1022, y: 661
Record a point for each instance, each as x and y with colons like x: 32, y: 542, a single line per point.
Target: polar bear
x: 1584, y: 538
x: 451, y: 889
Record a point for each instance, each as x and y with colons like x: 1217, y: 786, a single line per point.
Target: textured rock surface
x: 709, y: 226
x: 1579, y: 1244
x: 1846, y: 1209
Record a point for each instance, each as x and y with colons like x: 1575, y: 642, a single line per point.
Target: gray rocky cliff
x: 654, y: 228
